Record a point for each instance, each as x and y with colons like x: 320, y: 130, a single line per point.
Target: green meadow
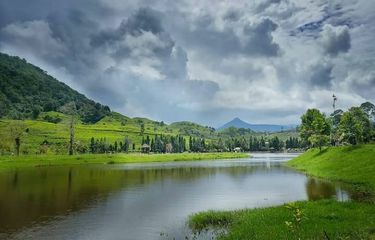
x: 8, y: 162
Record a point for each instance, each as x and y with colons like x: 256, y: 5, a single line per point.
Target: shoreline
x: 12, y: 162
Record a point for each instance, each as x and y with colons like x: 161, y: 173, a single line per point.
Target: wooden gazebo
x: 145, y: 148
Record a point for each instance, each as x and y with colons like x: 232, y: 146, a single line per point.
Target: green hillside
x: 27, y: 90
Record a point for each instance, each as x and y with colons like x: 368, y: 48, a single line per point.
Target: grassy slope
x: 351, y: 164
x: 351, y: 220
x: 46, y: 160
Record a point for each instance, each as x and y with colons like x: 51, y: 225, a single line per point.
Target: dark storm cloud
x: 61, y: 24
x: 260, y: 40
x: 335, y: 40
x: 71, y: 28
x: 252, y: 39
x: 144, y: 20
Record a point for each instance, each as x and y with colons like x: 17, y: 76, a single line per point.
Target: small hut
x: 237, y: 149
x: 145, y: 148
x: 168, y: 148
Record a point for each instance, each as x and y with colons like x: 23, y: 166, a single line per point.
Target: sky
x: 265, y: 61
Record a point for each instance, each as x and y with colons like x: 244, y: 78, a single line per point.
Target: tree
x: 17, y: 131
x: 355, y: 126
x: 315, y: 128
x: 335, y: 118
x: 142, y: 128
x: 126, y: 145
x: 71, y: 109
x: 92, y: 145
x: 319, y: 140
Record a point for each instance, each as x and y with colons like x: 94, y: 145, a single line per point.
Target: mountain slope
x: 27, y: 90
x: 238, y: 123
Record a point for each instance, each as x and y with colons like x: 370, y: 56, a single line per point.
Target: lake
x: 144, y: 201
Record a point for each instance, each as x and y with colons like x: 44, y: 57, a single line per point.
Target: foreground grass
x: 322, y: 219
x: 350, y: 164
x: 50, y: 160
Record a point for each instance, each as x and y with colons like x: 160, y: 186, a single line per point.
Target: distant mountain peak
x: 239, y: 123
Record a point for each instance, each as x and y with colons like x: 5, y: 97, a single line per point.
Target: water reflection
x: 139, y: 201
x: 317, y: 189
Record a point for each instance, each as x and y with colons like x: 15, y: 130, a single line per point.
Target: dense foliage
x: 26, y: 90
x: 157, y: 144
x: 354, y: 126
x: 315, y: 128
x: 178, y: 144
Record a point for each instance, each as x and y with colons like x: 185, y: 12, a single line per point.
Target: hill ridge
x: 26, y: 90
x: 239, y: 123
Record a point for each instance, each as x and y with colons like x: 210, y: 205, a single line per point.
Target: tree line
x: 254, y: 144
x: 354, y: 126
x: 179, y: 144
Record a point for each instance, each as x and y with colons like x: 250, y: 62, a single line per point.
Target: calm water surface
x: 141, y: 201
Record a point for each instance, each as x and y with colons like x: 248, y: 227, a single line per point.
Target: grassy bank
x: 349, y: 220
x: 50, y: 160
x: 350, y: 164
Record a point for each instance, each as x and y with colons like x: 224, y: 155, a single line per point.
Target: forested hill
x: 27, y: 90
